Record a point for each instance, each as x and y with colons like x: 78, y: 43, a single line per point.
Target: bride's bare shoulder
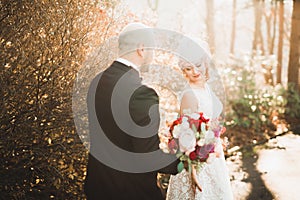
x: 189, y: 101
x: 188, y: 95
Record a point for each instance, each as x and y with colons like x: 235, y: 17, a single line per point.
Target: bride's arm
x: 188, y: 103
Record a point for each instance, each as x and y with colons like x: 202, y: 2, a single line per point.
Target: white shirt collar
x: 128, y: 63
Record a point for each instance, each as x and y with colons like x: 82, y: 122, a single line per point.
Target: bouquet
x: 193, y: 138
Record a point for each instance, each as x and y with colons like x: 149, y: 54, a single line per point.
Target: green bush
x: 292, y: 102
x: 251, y: 103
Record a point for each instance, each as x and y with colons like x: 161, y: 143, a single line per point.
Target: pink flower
x: 223, y: 130
x: 204, y: 151
x: 173, y: 146
x: 219, y: 132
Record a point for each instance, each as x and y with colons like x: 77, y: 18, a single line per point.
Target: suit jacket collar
x: 128, y: 63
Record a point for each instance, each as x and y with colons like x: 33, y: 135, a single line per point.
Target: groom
x: 124, y: 118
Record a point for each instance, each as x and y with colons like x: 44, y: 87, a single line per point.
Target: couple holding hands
x: 124, y: 119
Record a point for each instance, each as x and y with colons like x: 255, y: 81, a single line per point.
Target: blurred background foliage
x: 43, y: 45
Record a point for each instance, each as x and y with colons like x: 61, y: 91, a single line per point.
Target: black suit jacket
x: 119, y: 88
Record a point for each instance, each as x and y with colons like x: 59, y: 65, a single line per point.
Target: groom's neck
x: 133, y: 59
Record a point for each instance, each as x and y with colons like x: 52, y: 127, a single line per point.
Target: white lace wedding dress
x: 213, y: 177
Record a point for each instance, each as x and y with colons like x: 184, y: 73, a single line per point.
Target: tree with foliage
x: 43, y: 43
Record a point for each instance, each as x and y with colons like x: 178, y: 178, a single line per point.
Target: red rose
x: 202, y: 118
x: 193, y: 155
x: 176, y: 122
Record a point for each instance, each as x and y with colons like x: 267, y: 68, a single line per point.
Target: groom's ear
x: 140, y: 50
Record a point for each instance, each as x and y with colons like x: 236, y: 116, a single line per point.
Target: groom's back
x: 104, y: 182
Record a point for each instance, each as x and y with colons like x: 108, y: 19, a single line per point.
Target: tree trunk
x: 268, y: 25
x: 293, y: 68
x: 280, y: 41
x: 210, y: 24
x: 274, y: 13
x: 258, y: 38
x: 233, y: 27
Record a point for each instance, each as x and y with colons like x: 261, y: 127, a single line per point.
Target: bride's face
x: 196, y: 74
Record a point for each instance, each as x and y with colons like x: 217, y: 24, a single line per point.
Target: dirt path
x: 280, y: 167
x: 259, y: 190
x: 272, y: 172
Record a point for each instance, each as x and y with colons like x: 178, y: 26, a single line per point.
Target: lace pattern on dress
x: 213, y: 177
x: 213, y: 188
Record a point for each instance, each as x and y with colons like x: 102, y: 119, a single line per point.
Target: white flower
x: 206, y: 116
x: 187, y: 141
x: 184, y: 119
x: 209, y: 135
x: 203, y: 127
x: 164, y: 147
x: 180, y: 128
x: 176, y: 131
x: 253, y: 108
x: 164, y: 132
x: 201, y: 142
x: 185, y: 125
x: 195, y: 115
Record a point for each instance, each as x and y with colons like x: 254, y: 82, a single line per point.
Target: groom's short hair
x: 133, y: 35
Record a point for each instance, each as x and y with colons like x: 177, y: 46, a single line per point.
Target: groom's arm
x: 144, y: 110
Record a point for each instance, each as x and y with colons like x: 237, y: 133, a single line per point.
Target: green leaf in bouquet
x: 198, y: 167
x: 180, y: 167
x: 189, y: 165
x: 194, y: 128
x: 183, y: 157
x: 179, y: 154
x: 202, y: 135
x: 203, y: 127
x: 195, y: 162
x: 198, y: 135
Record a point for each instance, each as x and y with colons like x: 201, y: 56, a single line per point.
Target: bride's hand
x: 195, y: 182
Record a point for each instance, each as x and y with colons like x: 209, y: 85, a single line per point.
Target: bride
x: 212, y: 180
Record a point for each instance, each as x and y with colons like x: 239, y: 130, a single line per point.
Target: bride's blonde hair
x: 193, y: 51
